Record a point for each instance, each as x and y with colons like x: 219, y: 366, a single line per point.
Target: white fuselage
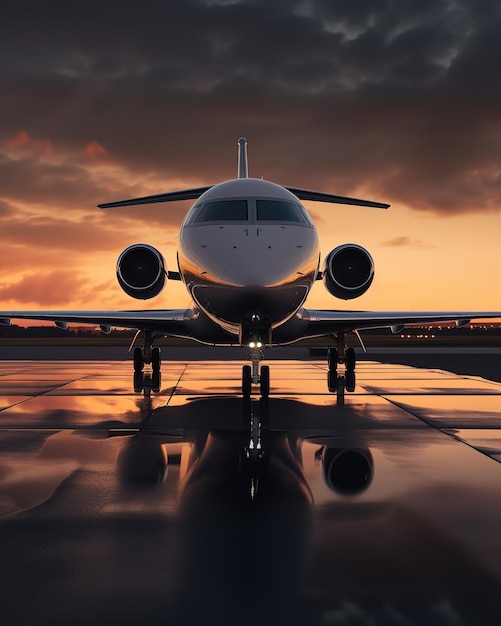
x: 248, y: 245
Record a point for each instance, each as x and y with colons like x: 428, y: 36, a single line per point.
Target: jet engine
x: 348, y: 271
x: 141, y: 271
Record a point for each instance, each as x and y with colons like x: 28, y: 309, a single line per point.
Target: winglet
x: 243, y: 169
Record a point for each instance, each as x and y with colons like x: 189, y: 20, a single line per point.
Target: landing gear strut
x: 255, y: 332
x: 340, y: 354
x: 255, y: 374
x: 148, y: 354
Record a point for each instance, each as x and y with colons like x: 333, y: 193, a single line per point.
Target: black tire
x: 332, y: 381
x: 350, y: 359
x: 156, y: 381
x: 138, y: 359
x: 332, y: 360
x: 265, y: 380
x: 156, y: 359
x: 246, y: 380
x: 350, y: 381
x: 138, y: 382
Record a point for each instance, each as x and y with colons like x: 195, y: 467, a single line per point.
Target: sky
x: 397, y: 101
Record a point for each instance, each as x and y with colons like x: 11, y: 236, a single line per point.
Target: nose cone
x: 242, y: 255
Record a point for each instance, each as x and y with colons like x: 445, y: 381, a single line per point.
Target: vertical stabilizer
x: 243, y: 170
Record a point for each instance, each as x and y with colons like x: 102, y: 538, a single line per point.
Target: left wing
x: 322, y: 322
x: 170, y: 321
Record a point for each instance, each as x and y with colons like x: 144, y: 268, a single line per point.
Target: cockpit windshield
x: 223, y: 210
x: 278, y: 211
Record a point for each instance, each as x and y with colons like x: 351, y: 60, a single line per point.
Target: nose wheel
x: 246, y: 380
x: 263, y: 381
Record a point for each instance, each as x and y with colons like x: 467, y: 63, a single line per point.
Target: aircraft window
x: 279, y: 211
x: 223, y: 210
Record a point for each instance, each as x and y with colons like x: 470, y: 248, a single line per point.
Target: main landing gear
x: 253, y: 374
x: 337, y: 355
x: 147, y: 355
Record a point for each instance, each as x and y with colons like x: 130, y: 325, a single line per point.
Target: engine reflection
x: 142, y: 462
x: 346, y: 471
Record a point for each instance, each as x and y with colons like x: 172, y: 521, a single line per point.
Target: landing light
x: 255, y: 344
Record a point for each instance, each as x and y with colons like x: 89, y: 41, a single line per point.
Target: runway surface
x: 193, y: 505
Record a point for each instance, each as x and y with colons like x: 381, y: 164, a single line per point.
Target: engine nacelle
x: 348, y: 271
x: 141, y: 271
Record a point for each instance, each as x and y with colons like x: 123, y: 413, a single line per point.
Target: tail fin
x: 243, y: 170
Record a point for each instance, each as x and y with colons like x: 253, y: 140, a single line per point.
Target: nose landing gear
x: 253, y: 374
x: 255, y: 332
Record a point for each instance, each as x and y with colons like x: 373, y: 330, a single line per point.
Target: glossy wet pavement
x: 195, y: 506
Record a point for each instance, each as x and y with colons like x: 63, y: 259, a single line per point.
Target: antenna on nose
x: 243, y: 170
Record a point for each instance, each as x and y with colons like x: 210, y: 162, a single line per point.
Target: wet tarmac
x: 193, y: 505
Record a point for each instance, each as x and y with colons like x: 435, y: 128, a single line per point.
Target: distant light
x: 259, y: 344
x: 252, y: 344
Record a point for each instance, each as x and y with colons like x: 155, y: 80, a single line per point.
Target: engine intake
x: 141, y: 271
x: 348, y: 271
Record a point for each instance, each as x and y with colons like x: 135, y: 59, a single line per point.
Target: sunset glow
x: 394, y: 104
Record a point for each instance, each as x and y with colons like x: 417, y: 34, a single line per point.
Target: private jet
x: 248, y: 254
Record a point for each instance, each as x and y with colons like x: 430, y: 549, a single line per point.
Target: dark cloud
x: 6, y: 209
x: 40, y: 236
x: 67, y: 185
x: 57, y: 288
x: 399, y: 99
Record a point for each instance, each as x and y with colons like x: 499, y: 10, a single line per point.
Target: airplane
x: 248, y: 254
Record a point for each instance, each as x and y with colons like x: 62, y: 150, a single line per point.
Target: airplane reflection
x: 245, y: 523
x: 146, y: 382
x: 254, y: 451
x: 244, y: 508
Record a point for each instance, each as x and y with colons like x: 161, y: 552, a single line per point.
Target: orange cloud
x: 21, y: 139
x: 32, y: 146
x: 57, y: 287
x: 43, y: 145
x: 402, y: 241
x: 94, y: 149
